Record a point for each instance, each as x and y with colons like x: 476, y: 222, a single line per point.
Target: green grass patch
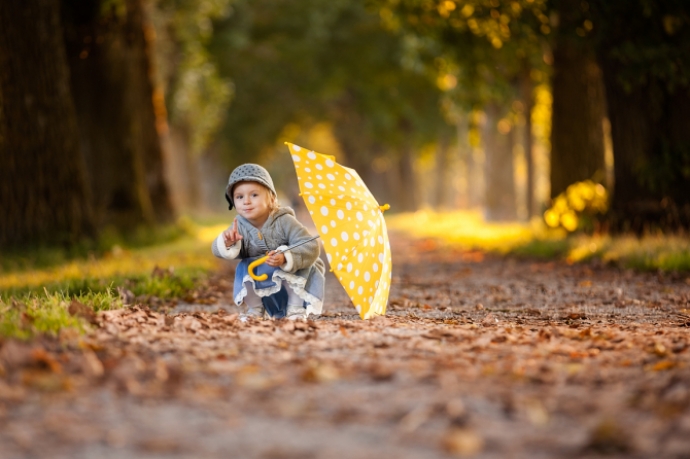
x: 648, y: 253
x: 543, y: 249
x: 37, y: 287
x: 109, y: 241
x: 47, y: 313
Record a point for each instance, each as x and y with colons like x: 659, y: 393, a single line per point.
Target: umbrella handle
x: 253, y: 265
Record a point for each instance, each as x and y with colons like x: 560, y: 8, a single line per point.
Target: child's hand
x: 231, y: 235
x: 275, y: 259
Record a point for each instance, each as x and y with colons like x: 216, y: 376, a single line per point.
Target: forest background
x: 119, y: 116
x: 557, y: 129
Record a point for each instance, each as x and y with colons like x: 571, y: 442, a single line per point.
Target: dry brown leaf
x: 609, y: 438
x: 320, y: 373
x: 462, y: 442
x: 92, y: 365
x: 83, y: 311
x: 663, y: 365
x: 489, y: 320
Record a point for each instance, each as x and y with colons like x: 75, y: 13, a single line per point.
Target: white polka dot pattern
x: 357, y: 250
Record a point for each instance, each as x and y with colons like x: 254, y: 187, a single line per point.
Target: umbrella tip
x: 384, y: 207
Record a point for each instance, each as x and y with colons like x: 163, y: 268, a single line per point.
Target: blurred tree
x: 42, y: 179
x: 442, y: 193
x: 108, y: 46
x: 527, y: 103
x: 498, y: 164
x: 271, y: 52
x: 644, y: 50
x: 318, y: 60
x: 577, y: 133
x: 386, y: 108
x: 196, y: 96
x: 485, y: 50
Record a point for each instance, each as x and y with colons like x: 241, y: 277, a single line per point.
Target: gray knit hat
x: 248, y: 173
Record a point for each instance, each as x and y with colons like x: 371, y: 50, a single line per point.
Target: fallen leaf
x: 45, y: 381
x: 663, y: 365
x: 319, y: 373
x: 489, y: 321
x: 536, y: 413
x: 160, y: 445
x: 609, y: 438
x: 46, y: 360
x: 659, y: 349
x: 83, y: 311
x: 415, y: 418
x: 462, y: 442
x: 92, y: 366
x: 15, y: 354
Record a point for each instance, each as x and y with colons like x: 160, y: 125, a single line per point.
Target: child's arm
x: 304, y: 255
x: 228, y: 244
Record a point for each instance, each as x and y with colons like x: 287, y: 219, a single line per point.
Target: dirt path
x: 478, y: 356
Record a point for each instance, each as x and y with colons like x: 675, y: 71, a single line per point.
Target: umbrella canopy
x: 351, y: 225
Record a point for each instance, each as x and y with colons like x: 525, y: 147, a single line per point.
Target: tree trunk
x: 182, y: 169
x: 498, y: 166
x: 648, y: 98
x: 577, y: 135
x: 469, y: 198
x: 527, y: 96
x: 651, y: 155
x: 408, y: 198
x: 442, y: 183
x: 476, y: 183
x: 112, y: 87
x: 43, y: 196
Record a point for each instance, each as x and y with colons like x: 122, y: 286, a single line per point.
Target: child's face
x: 253, y: 202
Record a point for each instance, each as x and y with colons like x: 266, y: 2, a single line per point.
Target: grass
x: 36, y: 287
x: 48, y: 313
x: 467, y: 229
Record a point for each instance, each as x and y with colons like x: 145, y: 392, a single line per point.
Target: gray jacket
x: 281, y: 229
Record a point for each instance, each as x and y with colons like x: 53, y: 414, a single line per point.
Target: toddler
x: 295, y: 284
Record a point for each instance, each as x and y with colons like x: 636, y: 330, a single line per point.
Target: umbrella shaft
x: 298, y: 244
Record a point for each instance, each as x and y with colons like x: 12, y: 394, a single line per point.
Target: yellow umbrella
x: 351, y: 225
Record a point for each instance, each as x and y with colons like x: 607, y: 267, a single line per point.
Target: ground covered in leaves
x: 477, y: 356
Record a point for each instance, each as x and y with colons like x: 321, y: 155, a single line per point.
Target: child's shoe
x: 296, y: 313
x: 256, y: 312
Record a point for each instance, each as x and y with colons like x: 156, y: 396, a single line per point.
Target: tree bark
x: 643, y: 60
x: 577, y: 135
x: 499, y: 167
x: 650, y: 132
x: 43, y: 196
x: 114, y: 96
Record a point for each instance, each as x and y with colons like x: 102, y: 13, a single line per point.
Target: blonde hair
x: 273, y: 204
